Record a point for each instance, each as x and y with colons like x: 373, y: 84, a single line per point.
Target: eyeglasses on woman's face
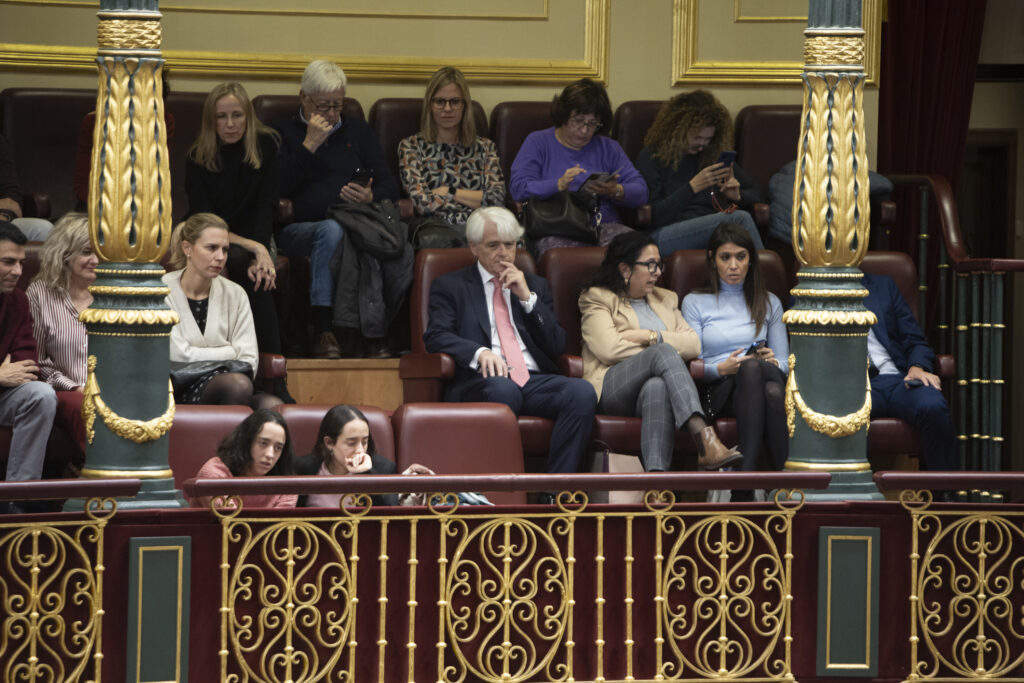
x: 441, y: 102
x: 653, y: 266
x: 583, y: 123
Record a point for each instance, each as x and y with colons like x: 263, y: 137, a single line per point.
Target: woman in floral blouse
x: 446, y: 168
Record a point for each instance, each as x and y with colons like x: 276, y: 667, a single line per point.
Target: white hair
x: 504, y: 221
x: 322, y: 76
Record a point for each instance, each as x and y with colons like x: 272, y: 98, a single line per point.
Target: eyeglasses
x: 581, y: 123
x: 454, y: 103
x: 508, y: 246
x: 325, y: 107
x: 652, y: 265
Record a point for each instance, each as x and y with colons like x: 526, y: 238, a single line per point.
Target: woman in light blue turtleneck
x: 731, y: 313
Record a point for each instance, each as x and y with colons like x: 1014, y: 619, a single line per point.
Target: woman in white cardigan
x: 215, y: 321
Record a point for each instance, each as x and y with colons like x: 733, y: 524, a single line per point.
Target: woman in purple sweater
x: 564, y: 157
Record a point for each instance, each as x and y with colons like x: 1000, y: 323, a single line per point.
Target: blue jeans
x: 317, y: 241
x: 694, y: 233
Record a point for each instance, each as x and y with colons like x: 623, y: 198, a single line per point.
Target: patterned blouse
x: 426, y: 166
x: 61, y: 339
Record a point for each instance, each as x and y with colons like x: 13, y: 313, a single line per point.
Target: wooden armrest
x: 426, y: 366
x: 271, y: 366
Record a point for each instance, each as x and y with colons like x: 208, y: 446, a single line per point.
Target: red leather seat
x: 632, y: 121
x: 304, y: 424
x: 461, y: 438
x: 195, y: 434
x: 33, y: 250
x: 511, y: 122
x: 395, y: 118
x: 272, y: 108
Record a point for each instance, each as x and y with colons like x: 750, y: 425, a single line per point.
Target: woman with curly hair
x: 688, y: 187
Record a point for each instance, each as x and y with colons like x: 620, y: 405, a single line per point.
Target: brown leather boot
x: 713, y: 453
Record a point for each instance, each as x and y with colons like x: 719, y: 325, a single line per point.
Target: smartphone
x: 755, y: 346
x: 598, y: 178
x: 727, y: 157
x: 911, y: 383
x: 362, y: 176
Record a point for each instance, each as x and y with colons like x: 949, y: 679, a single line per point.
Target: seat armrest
x: 271, y: 366
x: 426, y: 366
x: 762, y: 217
x: 284, y: 214
x: 36, y: 205
x: 570, y: 365
x: 945, y: 365
x: 406, y: 208
x: 697, y: 369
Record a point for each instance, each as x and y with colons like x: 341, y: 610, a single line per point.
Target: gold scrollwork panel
x: 967, y: 588
x: 289, y: 602
x: 724, y: 597
x: 51, y: 586
x: 508, y: 600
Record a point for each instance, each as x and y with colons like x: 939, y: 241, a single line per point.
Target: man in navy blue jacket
x: 320, y: 154
x: 498, y: 324
x: 899, y: 355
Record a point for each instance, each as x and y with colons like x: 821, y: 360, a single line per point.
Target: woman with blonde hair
x: 446, y: 168
x: 57, y: 295
x: 232, y: 171
x: 690, y: 183
x: 213, y: 346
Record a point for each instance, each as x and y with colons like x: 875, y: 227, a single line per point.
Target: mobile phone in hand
x: 362, y: 176
x: 755, y: 346
x: 912, y: 383
x: 727, y: 157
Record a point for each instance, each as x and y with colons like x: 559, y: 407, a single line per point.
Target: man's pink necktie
x: 507, y: 337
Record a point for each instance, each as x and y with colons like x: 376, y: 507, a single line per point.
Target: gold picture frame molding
x: 273, y: 11
x: 383, y: 69
x: 687, y: 70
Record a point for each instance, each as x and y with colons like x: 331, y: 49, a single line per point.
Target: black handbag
x: 185, y: 374
x: 569, y: 214
x: 428, y: 232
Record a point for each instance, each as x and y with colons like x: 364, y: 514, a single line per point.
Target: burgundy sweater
x: 16, y: 327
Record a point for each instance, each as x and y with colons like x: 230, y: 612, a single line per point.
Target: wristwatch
x: 653, y: 339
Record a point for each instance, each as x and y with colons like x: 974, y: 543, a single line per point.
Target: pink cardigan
x: 214, y: 468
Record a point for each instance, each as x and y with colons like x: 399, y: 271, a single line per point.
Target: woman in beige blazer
x: 634, y: 343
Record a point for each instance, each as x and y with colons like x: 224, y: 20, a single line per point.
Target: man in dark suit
x: 902, y: 382
x: 508, y: 357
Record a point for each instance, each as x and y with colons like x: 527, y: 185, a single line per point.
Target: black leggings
x: 758, y: 403
x: 264, y: 312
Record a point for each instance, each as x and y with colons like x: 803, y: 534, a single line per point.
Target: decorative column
x: 128, y: 406
x: 828, y: 395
